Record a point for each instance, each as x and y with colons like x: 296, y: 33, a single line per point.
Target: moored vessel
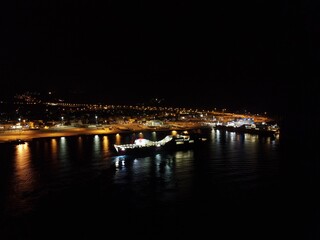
x: 170, y: 142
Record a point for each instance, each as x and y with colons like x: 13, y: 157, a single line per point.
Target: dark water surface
x: 235, y: 185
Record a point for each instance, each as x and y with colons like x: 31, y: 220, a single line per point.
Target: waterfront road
x: 61, y: 131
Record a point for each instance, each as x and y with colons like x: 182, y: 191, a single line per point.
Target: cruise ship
x: 170, y: 142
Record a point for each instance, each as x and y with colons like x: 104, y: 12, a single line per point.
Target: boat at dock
x: 264, y: 130
x: 170, y: 142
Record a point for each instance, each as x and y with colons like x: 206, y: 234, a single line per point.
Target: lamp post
x: 96, y: 119
x: 62, y: 120
x: 20, y: 128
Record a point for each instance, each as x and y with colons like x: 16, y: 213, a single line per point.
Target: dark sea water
x: 234, y: 185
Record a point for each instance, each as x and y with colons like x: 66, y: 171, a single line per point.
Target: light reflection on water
x: 85, y: 170
x: 23, y: 180
x: 63, y: 149
x: 54, y: 149
x: 24, y: 173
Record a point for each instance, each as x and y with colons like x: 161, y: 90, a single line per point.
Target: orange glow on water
x: 23, y: 169
x: 118, y: 138
x: 105, y: 143
x: 54, y: 148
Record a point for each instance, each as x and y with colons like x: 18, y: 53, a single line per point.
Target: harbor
x: 64, y: 131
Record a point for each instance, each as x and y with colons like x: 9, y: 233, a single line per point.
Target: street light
x: 96, y: 119
x: 19, y: 124
x: 62, y: 120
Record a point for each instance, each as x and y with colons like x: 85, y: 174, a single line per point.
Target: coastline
x: 64, y: 131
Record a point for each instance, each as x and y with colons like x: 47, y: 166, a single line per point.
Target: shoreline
x: 65, y: 131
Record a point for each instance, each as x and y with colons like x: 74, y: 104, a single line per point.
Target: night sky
x: 255, y: 55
